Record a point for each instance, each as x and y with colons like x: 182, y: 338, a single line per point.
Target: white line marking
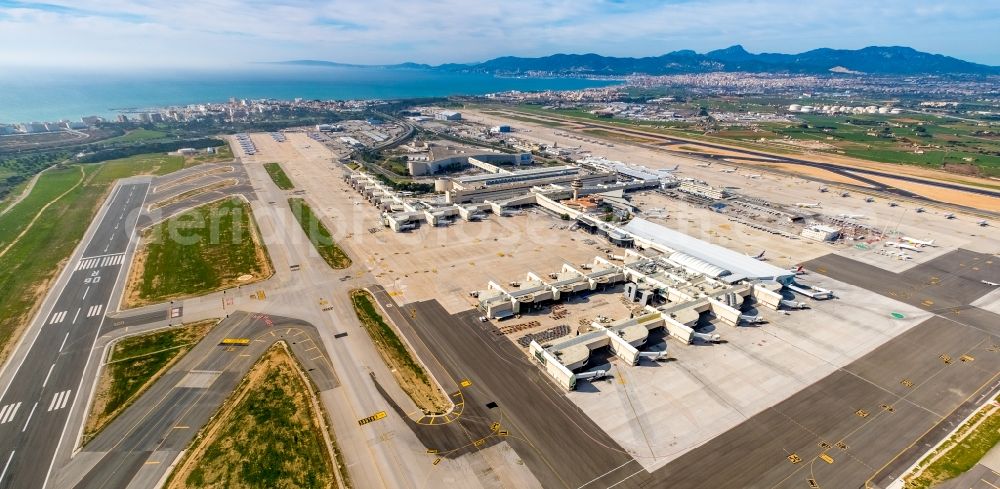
x: 48, y: 375
x: 64, y: 400
x: 11, y: 410
x: 76, y: 315
x: 85, y: 292
x: 32, y: 413
x: 64, y: 342
x: 94, y: 310
x: 11, y: 457
x: 130, y: 245
x: 54, y: 401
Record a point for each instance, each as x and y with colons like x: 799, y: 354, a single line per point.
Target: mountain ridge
x: 873, y: 60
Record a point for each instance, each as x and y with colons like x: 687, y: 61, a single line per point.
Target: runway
x: 45, y: 386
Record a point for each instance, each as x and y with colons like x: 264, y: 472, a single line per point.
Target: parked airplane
x: 902, y: 246
x: 917, y: 242
x: 987, y: 282
x: 808, y: 204
x: 728, y: 170
x: 705, y: 165
x: 845, y: 194
x: 760, y: 256
x: 949, y: 216
x: 799, y: 270
x: 870, y: 200
x: 920, y: 209
x: 983, y: 222
x: 851, y: 216
x: 893, y: 204
x: 754, y: 175
x: 824, y: 189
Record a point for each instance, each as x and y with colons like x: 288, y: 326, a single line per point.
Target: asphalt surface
x: 850, y: 172
x: 877, y: 415
x: 165, y: 419
x: 45, y: 387
x: 558, y: 442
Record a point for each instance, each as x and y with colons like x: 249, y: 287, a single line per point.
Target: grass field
x: 34, y: 260
x: 267, y: 436
x: 962, y: 451
x: 222, y: 153
x: 137, y: 135
x: 135, y: 364
x: 51, y: 184
x: 412, y: 377
x: 208, y: 248
x: 279, y: 176
x: 319, y: 235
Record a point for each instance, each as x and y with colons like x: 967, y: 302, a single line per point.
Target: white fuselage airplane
x: 918, y: 242
x: 903, y: 246
x: 808, y: 204
x: 851, y: 216
x: 987, y: 282
x: 728, y: 170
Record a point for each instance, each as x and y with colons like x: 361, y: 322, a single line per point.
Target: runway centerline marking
x: 76, y: 315
x: 29, y: 418
x: 46, y: 381
x: 4, y: 472
x: 64, y: 342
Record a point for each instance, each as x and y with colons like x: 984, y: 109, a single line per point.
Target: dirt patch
x: 959, y: 197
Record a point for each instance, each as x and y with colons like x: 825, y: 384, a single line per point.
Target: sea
x: 42, y: 96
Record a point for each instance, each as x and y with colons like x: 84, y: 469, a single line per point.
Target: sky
x: 133, y: 34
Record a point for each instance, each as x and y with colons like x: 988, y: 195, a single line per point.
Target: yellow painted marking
x: 906, y: 382
x: 432, y: 450
x: 841, y: 445
x: 793, y: 458
x: 181, y: 427
x: 826, y: 458
x: 235, y: 341
x: 377, y: 416
x: 152, y: 462
x: 862, y: 413
x: 495, y: 427
x: 437, y: 461
x: 503, y: 433
x: 927, y: 302
x: 480, y: 442
x: 966, y: 358
x: 465, y: 383
x: 946, y: 359
x: 432, y: 420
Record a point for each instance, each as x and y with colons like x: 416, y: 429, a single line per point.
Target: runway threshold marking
x: 8, y: 412
x: 59, y: 400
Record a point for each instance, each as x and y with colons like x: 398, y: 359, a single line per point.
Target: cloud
x: 230, y: 32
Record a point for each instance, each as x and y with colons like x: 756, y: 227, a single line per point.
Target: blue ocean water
x: 49, y: 96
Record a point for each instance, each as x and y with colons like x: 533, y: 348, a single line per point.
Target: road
x: 44, y: 384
